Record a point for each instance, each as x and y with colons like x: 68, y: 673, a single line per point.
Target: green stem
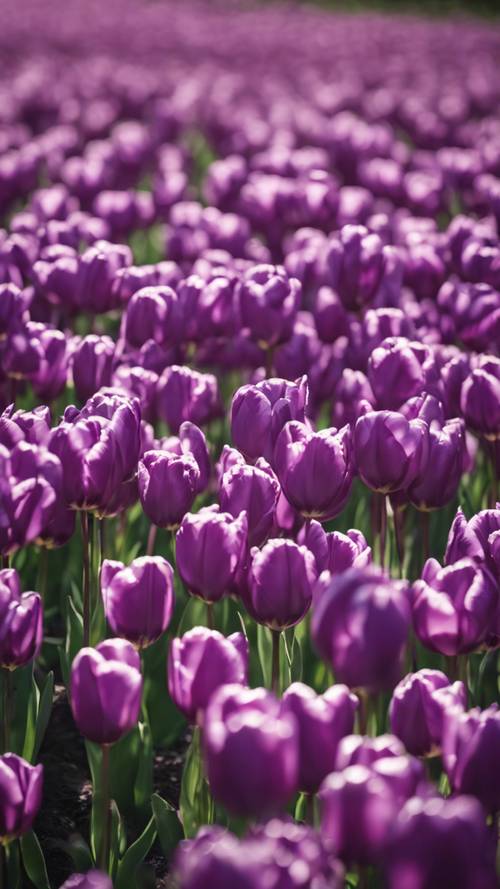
x: 43, y: 573
x: 151, y: 540
x: 84, y: 520
x: 275, y: 669
x: 424, y: 525
x: 269, y: 361
x: 210, y: 615
x: 106, y: 812
x: 398, y: 519
x: 383, y: 527
x: 7, y: 706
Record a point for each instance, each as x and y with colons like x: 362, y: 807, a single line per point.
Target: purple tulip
x: 92, y: 364
x: 438, y: 480
x: 360, y: 625
x: 106, y: 690
x: 247, y: 727
x: 20, y: 796
x: 480, y: 400
x: 355, y: 265
x: 210, y: 547
x: 253, y: 489
x: 356, y: 750
x: 475, y: 539
x: 398, y: 369
x: 322, y: 721
x: 259, y: 412
x: 217, y: 858
x: 138, y: 598
x: 335, y: 552
x: 27, y: 495
x: 332, y: 320
x: 191, y: 440
x: 389, y: 450
x: 185, y: 394
x: 199, y: 663
x: 152, y: 314
x: 21, y: 629
x: 440, y: 842
x: 93, y: 879
x: 352, y: 394
x: 279, y: 586
x: 315, y: 469
x: 269, y: 301
x: 418, y: 710
x: 453, y: 607
x: 470, y: 754
x: 168, y: 484
x: 50, y: 379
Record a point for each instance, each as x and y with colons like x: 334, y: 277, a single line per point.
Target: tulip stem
x: 84, y: 519
x: 275, y: 670
x: 269, y: 361
x: 398, y: 520
x: 104, y: 848
x: 6, y: 709
x: 383, y: 527
x: 210, y: 615
x: 151, y: 540
x: 493, y: 495
x: 424, y: 526
x: 43, y: 570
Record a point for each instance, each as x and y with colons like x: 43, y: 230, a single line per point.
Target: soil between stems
x: 67, y: 794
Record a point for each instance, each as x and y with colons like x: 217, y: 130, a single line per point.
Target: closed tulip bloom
x: 335, y: 552
x: 360, y: 625
x: 106, y: 690
x: 453, y: 607
x: 480, y: 400
x: 356, y: 750
x: 441, y: 842
x: 476, y: 539
x: 27, y: 494
x: 332, y: 320
x: 355, y: 265
x: 280, y: 584
x: 250, y: 751
x: 168, y: 485
x: 398, y: 369
x: 210, y: 547
x: 93, y: 879
x: 322, y: 721
x: 470, y: 754
x: 351, y: 393
x: 418, y: 707
x: 21, y: 630
x: 191, y: 440
x: 315, y: 469
x: 138, y: 598
x: 186, y: 394
x: 437, y: 482
x: 259, y: 412
x: 216, y: 857
x: 389, y: 450
x: 21, y: 787
x: 152, y: 314
x: 254, y: 489
x: 199, y: 663
x: 269, y: 301
x: 92, y: 364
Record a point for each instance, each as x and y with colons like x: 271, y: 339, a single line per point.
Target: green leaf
x: 13, y: 866
x: 143, y: 787
x: 80, y: 854
x: 134, y: 856
x: 194, y: 615
x: 31, y: 708
x: 43, y: 716
x: 265, y: 650
x: 74, y: 631
x: 196, y: 804
x: 169, y: 827
x: 33, y: 860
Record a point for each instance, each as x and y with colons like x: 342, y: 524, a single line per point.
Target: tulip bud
x: 389, y: 450
x: 106, y: 690
x: 355, y: 265
x: 199, y: 663
x: 138, y: 598
x: 470, y: 754
x: 258, y: 414
x: 280, y: 584
x: 437, y: 482
x: 168, y: 485
x: 20, y: 796
x: 21, y: 627
x: 480, y: 400
x: 185, y: 394
x: 269, y: 302
x: 398, y: 369
x: 152, y: 314
x: 210, y: 547
x: 255, y: 490
x: 92, y: 364
x: 418, y: 707
x: 356, y: 750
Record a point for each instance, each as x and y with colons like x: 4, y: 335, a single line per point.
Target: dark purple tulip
x: 389, y: 450
x: 441, y: 842
x: 50, y: 378
x: 210, y: 547
x: 106, y: 690
x: 418, y: 710
x: 437, y: 482
x: 138, y: 598
x: 97, y: 267
x: 217, y: 858
x: 152, y: 314
x: 199, y: 663
x: 475, y: 539
x: 352, y: 392
x: 29, y: 426
x: 269, y: 301
x: 470, y: 754
x: 168, y: 484
x: 27, y: 495
x: 259, y: 412
x: 141, y: 383
x: 360, y: 625
x: 93, y: 879
x: 332, y: 320
x: 354, y: 750
x: 191, y: 440
x: 186, y: 394
x: 315, y: 469
x: 398, y: 369
x: 250, y: 751
x: 21, y: 629
x: 355, y: 265
x: 23, y: 355
x: 254, y: 489
x: 280, y: 584
x: 92, y: 364
x: 13, y: 304
x: 335, y: 552
x: 322, y: 721
x: 20, y: 796
x: 454, y: 607
x: 480, y: 400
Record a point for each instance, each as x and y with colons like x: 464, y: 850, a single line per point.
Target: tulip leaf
x: 43, y: 716
x: 169, y: 827
x: 265, y: 649
x: 13, y: 866
x: 134, y: 856
x: 196, y: 804
x: 117, y: 837
x: 194, y: 615
x: 143, y: 787
x: 80, y: 854
x: 165, y: 721
x: 74, y: 631
x: 33, y: 861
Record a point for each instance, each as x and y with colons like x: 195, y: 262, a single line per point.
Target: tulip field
x: 249, y: 447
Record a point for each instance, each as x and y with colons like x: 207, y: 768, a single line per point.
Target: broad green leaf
x: 33, y: 861
x: 44, y: 711
x: 134, y: 856
x: 196, y: 804
x: 169, y: 828
x: 265, y: 650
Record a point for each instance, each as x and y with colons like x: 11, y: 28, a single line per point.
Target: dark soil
x: 67, y: 795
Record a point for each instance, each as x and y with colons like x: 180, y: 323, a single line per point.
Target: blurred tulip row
x: 249, y: 448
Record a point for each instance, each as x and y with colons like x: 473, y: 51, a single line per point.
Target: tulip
x: 20, y: 796
x: 255, y: 490
x: 441, y: 842
x: 280, y: 584
x: 92, y: 364
x: 191, y: 440
x: 335, y: 552
x: 360, y: 625
x: 106, y: 689
x: 21, y: 629
x: 355, y: 265
x: 389, y: 450
x: 215, y: 857
x: 248, y: 726
x: 210, y: 547
x: 269, y: 301
x: 453, y: 607
x: 470, y: 754
x: 437, y: 482
x: 27, y: 496
x: 138, y: 598
x: 322, y: 721
x: 259, y: 412
x: 354, y: 750
x: 418, y: 710
x: 185, y: 394
x: 399, y: 369
x: 352, y: 394
x: 152, y: 314
x: 298, y: 854
x: 168, y: 485
x: 315, y: 469
x: 199, y: 663
x: 480, y: 400
x: 93, y: 879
